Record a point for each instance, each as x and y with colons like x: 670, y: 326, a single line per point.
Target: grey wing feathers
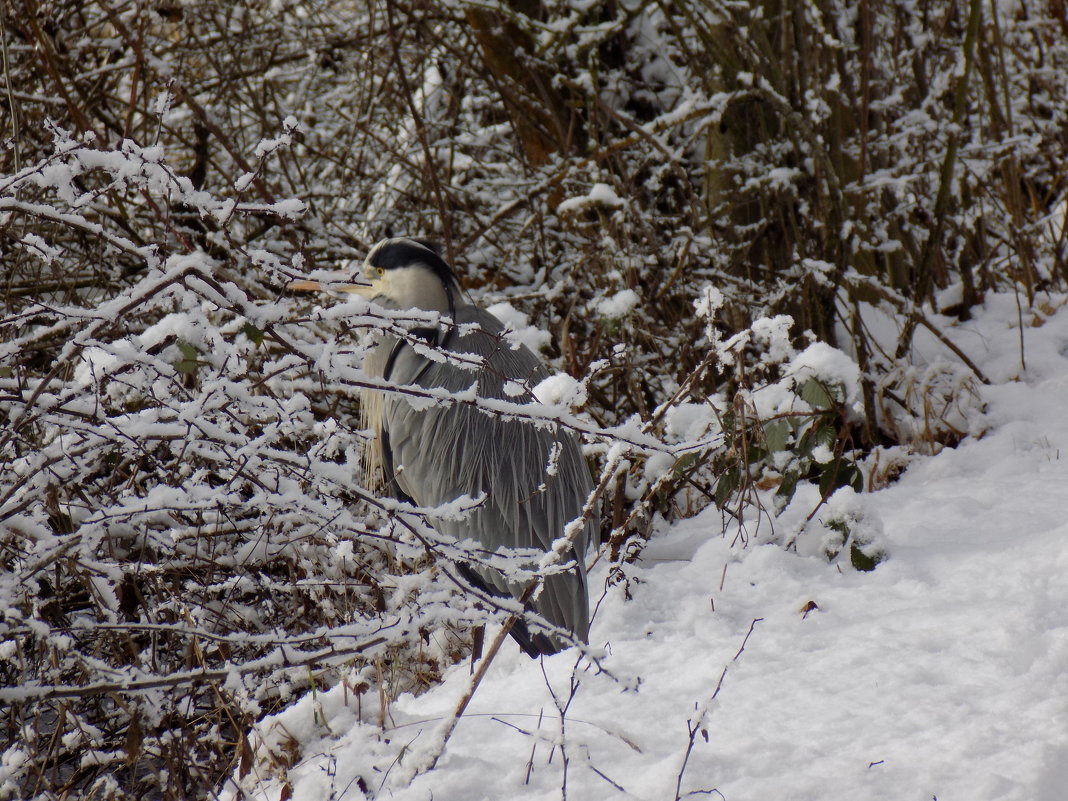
x: 443, y: 452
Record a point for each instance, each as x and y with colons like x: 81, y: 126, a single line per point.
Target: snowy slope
x: 942, y: 674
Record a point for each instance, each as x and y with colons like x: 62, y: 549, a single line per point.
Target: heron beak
x: 304, y: 286
x: 364, y: 290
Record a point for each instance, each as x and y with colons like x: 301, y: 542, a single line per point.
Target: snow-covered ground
x: 942, y: 674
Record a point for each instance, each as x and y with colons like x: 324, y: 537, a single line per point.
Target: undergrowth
x: 735, y: 221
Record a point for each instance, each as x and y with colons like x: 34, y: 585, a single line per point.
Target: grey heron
x: 533, y: 478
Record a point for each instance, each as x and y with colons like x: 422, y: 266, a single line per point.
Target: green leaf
x: 726, y: 485
x: 776, y: 435
x: 818, y: 395
x: 826, y: 435
x: 854, y: 478
x: 788, y: 486
x: 684, y: 464
x: 728, y: 424
x: 6, y: 372
x: 840, y: 473
x: 253, y: 333
x: 863, y: 561
x: 186, y: 365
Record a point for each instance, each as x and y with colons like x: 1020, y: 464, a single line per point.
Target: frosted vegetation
x: 724, y: 225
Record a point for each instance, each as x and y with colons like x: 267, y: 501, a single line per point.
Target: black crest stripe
x: 402, y: 252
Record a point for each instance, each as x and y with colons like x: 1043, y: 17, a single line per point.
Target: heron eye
x: 381, y: 271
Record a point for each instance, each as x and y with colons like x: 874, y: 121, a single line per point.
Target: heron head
x: 401, y: 273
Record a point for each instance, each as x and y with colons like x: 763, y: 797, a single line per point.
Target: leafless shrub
x: 186, y: 535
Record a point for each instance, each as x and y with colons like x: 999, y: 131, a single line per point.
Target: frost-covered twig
x: 128, y: 684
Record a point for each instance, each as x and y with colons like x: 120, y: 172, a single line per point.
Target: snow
x: 520, y: 331
x: 618, y: 305
x: 560, y: 388
x: 689, y: 421
x: 600, y: 194
x: 829, y: 366
x: 941, y: 674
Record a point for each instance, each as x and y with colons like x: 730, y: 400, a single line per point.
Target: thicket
x: 186, y: 535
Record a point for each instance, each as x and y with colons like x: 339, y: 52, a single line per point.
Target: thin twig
x: 696, y: 723
x: 8, y: 77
